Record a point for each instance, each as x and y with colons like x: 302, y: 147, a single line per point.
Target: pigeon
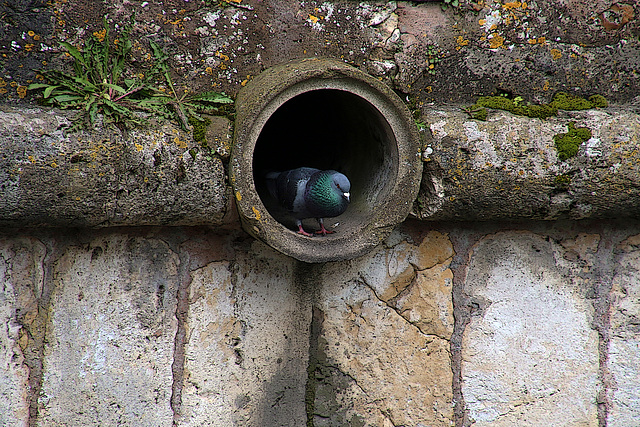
x: 310, y: 193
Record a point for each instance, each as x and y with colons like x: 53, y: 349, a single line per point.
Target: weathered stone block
x: 508, y: 167
x: 14, y: 296
x: 386, y: 362
x: 104, y: 177
x: 246, y: 354
x: 529, y: 355
x: 624, y: 345
x: 110, y: 340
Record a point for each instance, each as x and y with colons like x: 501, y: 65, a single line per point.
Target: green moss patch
x: 561, y: 101
x: 568, y: 143
x: 199, y: 129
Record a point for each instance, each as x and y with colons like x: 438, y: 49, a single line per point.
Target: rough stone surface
x: 504, y: 168
x: 14, y: 381
x: 494, y: 323
x: 508, y: 167
x: 531, y: 318
x: 624, y: 345
x: 532, y: 49
x: 246, y: 354
x: 383, y: 345
x: 110, y: 339
x: 151, y: 176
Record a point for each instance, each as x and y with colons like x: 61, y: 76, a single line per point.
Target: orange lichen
x: 22, y: 91
x: 100, y: 35
x: 496, y: 41
x: 511, y: 5
x: 461, y: 42
x: 256, y: 212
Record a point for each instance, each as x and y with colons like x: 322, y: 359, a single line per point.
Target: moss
x: 200, y: 129
x: 480, y: 114
x: 568, y: 143
x: 564, y: 101
x: 598, y: 101
x: 503, y: 103
x: 561, y: 101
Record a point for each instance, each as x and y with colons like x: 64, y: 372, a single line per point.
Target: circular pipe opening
x: 328, y: 129
x: 327, y: 115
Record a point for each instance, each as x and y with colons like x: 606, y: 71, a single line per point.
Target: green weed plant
x: 104, y: 82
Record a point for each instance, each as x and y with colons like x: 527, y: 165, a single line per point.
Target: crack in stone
x: 181, y: 339
x: 602, y: 310
x: 462, y: 312
x: 34, y: 359
x: 396, y: 309
x: 374, y: 402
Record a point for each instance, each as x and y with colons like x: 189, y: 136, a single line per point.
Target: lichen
x: 568, y: 143
x: 560, y: 101
x: 562, y: 182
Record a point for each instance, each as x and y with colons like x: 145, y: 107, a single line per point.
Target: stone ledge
x: 150, y: 176
x: 508, y: 168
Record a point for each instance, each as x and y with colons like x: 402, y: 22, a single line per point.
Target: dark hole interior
x: 329, y: 129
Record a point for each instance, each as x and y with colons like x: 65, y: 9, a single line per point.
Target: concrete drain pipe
x: 328, y: 115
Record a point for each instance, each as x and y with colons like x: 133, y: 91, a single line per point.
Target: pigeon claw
x: 304, y: 233
x: 324, y: 231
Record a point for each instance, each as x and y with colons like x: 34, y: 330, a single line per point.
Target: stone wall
x: 511, y: 296
x: 492, y: 324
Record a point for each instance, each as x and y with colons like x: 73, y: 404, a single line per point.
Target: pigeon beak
x: 346, y: 196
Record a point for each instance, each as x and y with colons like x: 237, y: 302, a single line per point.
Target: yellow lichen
x: 100, y: 35
x: 496, y: 41
x: 222, y: 56
x: 461, y: 42
x: 180, y: 143
x: 256, y: 212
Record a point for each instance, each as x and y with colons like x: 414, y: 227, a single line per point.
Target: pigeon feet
x: 324, y: 231
x: 304, y: 233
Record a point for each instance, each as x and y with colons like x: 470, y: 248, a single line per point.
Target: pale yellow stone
x: 428, y: 303
x: 405, y: 371
x: 434, y: 249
